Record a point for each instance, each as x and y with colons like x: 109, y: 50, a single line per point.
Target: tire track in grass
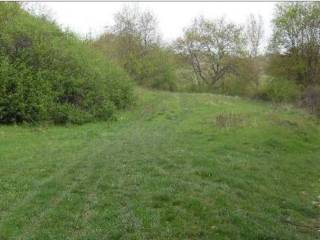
x: 26, y: 161
x: 71, y: 155
x: 37, y: 199
x: 86, y: 174
x: 21, y: 202
x: 96, y: 167
x: 96, y: 225
x: 25, y: 179
x: 90, y: 203
x: 120, y: 219
x: 29, y: 196
x: 45, y: 184
x: 91, y: 200
x: 51, y: 180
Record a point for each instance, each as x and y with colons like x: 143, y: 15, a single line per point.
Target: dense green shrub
x: 279, y: 90
x: 24, y: 95
x: 48, y: 74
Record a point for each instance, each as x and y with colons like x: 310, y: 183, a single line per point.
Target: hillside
x: 50, y: 75
x: 177, y: 166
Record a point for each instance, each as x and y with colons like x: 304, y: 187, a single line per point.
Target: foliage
x: 152, y: 67
x: 24, y: 95
x: 279, y: 90
x: 210, y: 46
x: 246, y: 81
x: 296, y: 37
x: 44, y: 67
x: 133, y: 42
x: 157, y: 70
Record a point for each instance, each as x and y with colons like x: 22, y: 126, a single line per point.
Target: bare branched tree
x: 133, y: 41
x: 148, y: 28
x: 133, y: 23
x: 254, y: 34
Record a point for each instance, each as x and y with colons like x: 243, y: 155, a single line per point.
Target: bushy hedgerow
x: 279, y: 90
x: 49, y: 74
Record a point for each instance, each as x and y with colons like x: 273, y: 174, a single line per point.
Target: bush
x: 48, y: 74
x: 279, y: 90
x: 24, y: 95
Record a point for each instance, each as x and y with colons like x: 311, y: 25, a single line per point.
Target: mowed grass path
x: 167, y: 169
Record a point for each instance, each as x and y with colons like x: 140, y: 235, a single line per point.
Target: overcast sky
x: 84, y: 17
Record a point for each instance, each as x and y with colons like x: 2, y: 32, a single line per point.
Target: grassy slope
x: 165, y: 170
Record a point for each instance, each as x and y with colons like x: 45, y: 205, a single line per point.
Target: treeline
x: 216, y: 55
x: 134, y: 43
x: 47, y: 74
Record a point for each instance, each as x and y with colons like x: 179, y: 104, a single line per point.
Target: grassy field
x: 177, y: 166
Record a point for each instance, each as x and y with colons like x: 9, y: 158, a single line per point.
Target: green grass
x: 168, y: 169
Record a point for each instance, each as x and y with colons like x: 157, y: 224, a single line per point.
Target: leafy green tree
x: 210, y: 46
x: 296, y: 40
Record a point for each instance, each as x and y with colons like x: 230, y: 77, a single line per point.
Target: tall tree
x: 296, y: 36
x: 254, y: 37
x: 133, y: 41
x: 133, y: 34
x: 254, y: 34
x: 132, y: 22
x: 210, y: 46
